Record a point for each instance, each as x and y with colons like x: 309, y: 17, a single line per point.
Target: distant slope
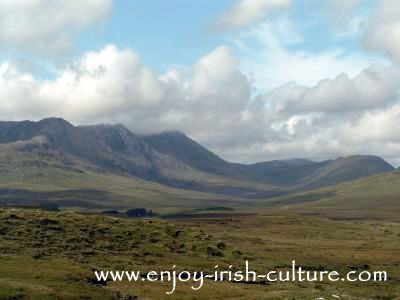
x: 295, y: 173
x: 305, y: 175
x: 346, y: 169
x: 116, y: 150
x: 186, y: 150
x: 52, y: 152
x: 285, y: 172
x: 31, y: 177
x: 373, y: 197
x: 105, y: 147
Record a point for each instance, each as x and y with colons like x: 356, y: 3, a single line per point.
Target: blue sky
x: 170, y: 33
x: 165, y: 33
x: 177, y: 33
x: 251, y: 79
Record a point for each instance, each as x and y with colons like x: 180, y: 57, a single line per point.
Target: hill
x: 298, y: 174
x: 375, y: 197
x: 28, y: 177
x: 114, y: 150
x: 103, y: 166
x: 102, y: 147
x: 306, y: 174
x: 186, y: 150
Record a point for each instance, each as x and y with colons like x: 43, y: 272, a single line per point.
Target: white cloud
x: 375, y: 87
x: 382, y: 30
x: 213, y: 103
x: 45, y: 26
x: 266, y: 56
x: 355, y: 109
x: 112, y: 85
x: 245, y: 12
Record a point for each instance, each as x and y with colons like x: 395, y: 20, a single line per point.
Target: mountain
x: 346, y: 169
x: 102, y: 147
x: 32, y: 173
x: 55, y: 154
x: 191, y: 153
x: 296, y: 173
x: 306, y: 174
x: 374, y: 197
x: 38, y: 159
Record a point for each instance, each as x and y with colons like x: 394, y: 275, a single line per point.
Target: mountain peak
x: 169, y: 133
x: 173, y: 158
x: 54, y: 121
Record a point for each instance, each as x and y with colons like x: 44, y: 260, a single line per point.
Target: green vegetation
x: 108, y: 167
x: 375, y: 197
x: 216, y: 215
x: 272, y: 240
x: 52, y: 255
x: 28, y: 178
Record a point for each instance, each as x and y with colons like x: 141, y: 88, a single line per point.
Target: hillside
x: 376, y: 197
x: 115, y: 150
x: 30, y: 177
x: 103, y: 147
x: 186, y: 150
x: 293, y: 173
x: 109, y: 166
x: 306, y: 174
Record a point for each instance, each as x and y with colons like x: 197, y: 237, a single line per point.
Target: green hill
x: 108, y: 166
x: 300, y: 174
x: 376, y: 197
x: 30, y: 177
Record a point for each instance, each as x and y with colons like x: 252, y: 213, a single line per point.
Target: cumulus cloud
x: 267, y: 55
x: 245, y: 12
x: 375, y: 87
x: 272, y: 104
x: 44, y: 26
x: 382, y: 29
x: 212, y: 101
x: 112, y: 85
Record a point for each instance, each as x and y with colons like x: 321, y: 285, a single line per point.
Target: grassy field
x: 272, y: 241
x: 52, y: 255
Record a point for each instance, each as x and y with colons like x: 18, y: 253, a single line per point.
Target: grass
x: 47, y: 255
x: 375, y: 197
x: 273, y: 240
x: 53, y: 254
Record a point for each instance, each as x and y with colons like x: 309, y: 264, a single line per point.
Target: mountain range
x: 110, y: 166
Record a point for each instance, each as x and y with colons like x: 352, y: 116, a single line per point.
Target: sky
x: 252, y: 80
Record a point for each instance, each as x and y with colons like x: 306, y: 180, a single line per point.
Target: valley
x: 108, y: 166
x: 65, y: 192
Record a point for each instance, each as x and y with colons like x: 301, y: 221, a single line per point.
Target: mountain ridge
x: 171, y: 159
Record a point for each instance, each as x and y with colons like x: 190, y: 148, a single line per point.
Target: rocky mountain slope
x: 31, y: 151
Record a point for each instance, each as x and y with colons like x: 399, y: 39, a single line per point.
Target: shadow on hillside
x: 67, y: 198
